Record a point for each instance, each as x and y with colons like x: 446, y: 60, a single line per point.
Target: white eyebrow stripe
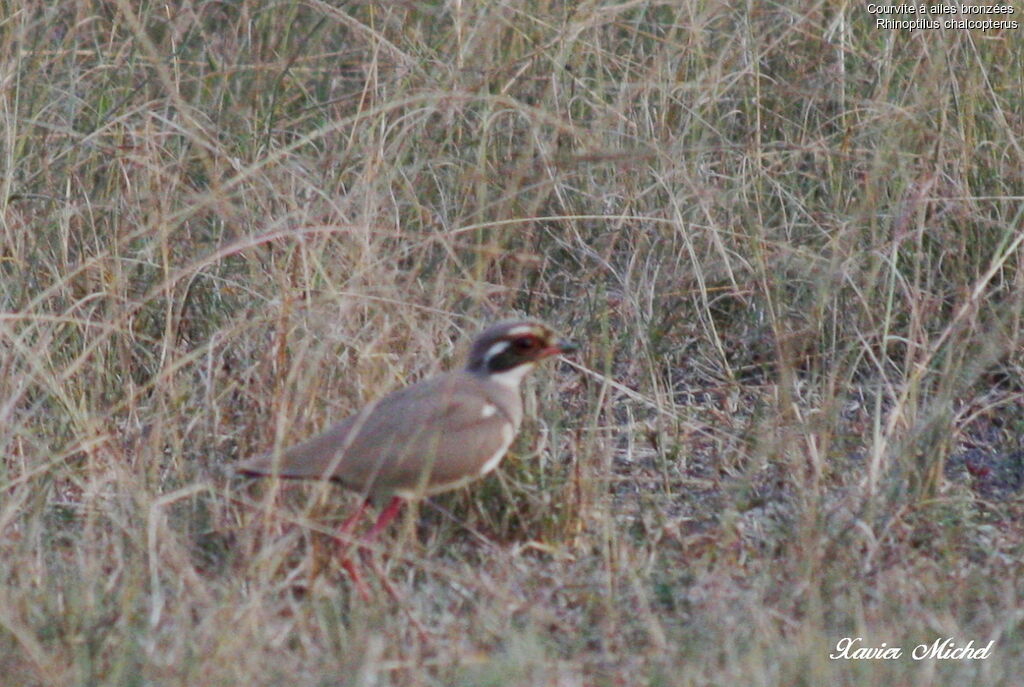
x: 496, y: 349
x: 521, y: 329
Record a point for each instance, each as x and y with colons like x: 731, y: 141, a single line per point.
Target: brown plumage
x: 431, y: 436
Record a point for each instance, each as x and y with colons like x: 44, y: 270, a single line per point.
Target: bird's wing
x: 421, y: 437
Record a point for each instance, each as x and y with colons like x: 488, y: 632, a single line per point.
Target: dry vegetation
x: 789, y: 242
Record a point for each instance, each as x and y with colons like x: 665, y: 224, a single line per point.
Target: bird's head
x: 514, y: 346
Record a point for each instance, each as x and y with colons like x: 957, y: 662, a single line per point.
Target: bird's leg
x: 345, y: 539
x: 389, y: 513
x: 351, y: 521
x: 357, y: 580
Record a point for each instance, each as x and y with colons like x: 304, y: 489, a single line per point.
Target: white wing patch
x: 508, y: 434
x: 488, y: 410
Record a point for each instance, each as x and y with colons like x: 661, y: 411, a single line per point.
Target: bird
x: 430, y: 437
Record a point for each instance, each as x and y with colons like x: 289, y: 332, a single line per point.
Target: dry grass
x: 790, y: 242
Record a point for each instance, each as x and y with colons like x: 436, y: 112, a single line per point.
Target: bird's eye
x: 524, y: 343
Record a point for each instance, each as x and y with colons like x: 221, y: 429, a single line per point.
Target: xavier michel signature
x: 941, y: 649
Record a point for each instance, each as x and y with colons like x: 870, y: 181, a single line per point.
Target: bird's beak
x: 561, y: 346
x: 566, y: 346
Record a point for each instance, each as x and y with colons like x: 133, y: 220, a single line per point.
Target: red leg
x: 389, y: 513
x: 345, y: 530
x: 353, y: 520
x: 357, y: 579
